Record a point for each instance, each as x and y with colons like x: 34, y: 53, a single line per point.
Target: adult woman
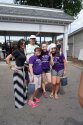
x: 29, y: 52
x: 58, y: 69
x: 19, y: 74
x: 80, y: 92
x: 30, y: 47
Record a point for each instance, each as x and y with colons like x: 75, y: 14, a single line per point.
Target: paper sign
x: 80, y: 55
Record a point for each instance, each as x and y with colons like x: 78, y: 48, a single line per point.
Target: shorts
x: 37, y: 81
x: 46, y: 71
x: 57, y: 73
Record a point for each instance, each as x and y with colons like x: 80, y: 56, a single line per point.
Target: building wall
x: 5, y: 26
x: 75, y: 43
x: 70, y: 45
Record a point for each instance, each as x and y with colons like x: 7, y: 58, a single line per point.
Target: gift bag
x: 31, y: 88
x: 64, y: 81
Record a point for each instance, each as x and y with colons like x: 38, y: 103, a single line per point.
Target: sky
x: 78, y: 23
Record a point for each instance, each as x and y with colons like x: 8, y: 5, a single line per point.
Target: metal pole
x: 44, y: 38
x: 5, y: 37
x: 40, y: 39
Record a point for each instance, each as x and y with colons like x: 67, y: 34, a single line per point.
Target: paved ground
x: 64, y: 111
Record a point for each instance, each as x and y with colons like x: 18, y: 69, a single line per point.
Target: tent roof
x: 34, y: 12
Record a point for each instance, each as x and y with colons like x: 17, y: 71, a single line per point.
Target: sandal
x: 56, y: 96
x: 51, y: 95
x: 45, y: 95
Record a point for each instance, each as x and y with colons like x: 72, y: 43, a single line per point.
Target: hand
x: 32, y: 78
x: 50, y: 54
x: 14, y: 68
x: 65, y: 72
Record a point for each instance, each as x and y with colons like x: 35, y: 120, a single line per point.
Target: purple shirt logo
x: 37, y: 64
x: 45, y: 61
x: 58, y: 62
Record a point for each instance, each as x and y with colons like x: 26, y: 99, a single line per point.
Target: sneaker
x: 32, y: 104
x: 36, y: 99
x: 45, y: 94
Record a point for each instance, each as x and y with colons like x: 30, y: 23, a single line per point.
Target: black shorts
x: 46, y: 71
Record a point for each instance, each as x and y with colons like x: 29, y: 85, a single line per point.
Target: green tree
x: 51, y: 3
x: 71, y: 7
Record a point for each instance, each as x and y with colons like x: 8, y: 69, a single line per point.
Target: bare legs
x: 55, y: 86
x: 46, y: 78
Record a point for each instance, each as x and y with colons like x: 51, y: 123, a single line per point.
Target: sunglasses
x: 23, y: 43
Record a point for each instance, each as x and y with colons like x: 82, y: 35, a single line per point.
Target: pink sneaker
x: 32, y: 104
x: 36, y: 99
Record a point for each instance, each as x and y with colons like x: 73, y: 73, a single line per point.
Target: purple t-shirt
x: 45, y: 57
x: 58, y: 62
x: 37, y: 64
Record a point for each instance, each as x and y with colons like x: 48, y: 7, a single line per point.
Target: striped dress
x: 19, y: 88
x: 18, y: 80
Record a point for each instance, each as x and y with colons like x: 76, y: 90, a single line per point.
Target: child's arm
x: 51, y: 60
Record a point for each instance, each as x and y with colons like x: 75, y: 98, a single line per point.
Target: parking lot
x: 64, y: 111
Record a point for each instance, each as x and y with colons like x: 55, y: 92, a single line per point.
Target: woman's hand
x: 13, y: 68
x: 51, y: 60
x: 32, y: 78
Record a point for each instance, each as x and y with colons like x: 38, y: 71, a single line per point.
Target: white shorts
x: 37, y: 81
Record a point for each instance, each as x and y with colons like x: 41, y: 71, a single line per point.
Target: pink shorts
x: 37, y: 81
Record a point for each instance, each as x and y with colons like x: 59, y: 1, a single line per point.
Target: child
x: 58, y: 69
x: 35, y: 67
x: 46, y: 75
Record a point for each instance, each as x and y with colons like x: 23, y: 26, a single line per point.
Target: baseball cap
x: 32, y: 37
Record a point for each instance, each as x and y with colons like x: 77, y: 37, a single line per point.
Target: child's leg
x: 31, y: 100
x: 57, y: 87
x: 53, y: 86
x: 35, y: 93
x: 59, y: 75
x: 58, y: 84
x: 43, y: 81
x: 48, y: 76
x: 37, y: 81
